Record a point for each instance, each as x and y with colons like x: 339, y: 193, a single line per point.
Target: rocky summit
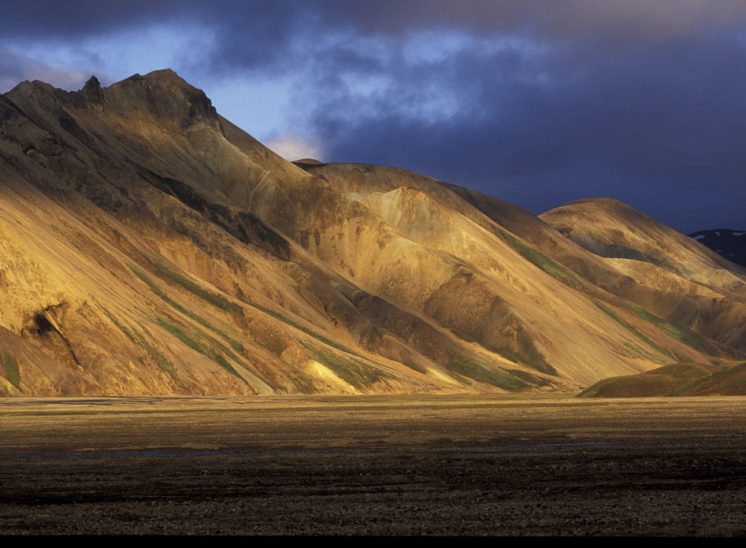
x: 150, y: 246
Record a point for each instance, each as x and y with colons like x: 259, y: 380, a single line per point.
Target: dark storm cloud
x: 635, y: 18
x: 661, y: 130
x: 73, y: 18
x: 637, y: 99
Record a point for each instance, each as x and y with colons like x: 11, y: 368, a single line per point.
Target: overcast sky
x: 538, y: 102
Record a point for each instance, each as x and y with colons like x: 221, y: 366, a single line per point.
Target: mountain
x: 731, y: 244
x: 150, y: 246
x: 681, y: 379
x: 674, y: 277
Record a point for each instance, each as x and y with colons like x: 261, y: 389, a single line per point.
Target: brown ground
x: 374, y: 465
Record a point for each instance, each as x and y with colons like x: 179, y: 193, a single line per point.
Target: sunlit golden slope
x: 147, y: 245
x: 674, y: 276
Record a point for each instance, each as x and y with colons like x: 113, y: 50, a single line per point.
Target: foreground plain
x: 374, y: 465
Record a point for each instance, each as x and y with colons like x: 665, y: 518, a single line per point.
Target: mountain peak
x: 30, y: 87
x: 92, y: 89
x: 92, y: 84
x: 599, y: 202
x: 166, y: 95
x: 164, y: 77
x: 164, y: 73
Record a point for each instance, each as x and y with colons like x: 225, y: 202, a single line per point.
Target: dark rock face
x: 167, y: 96
x: 6, y: 110
x: 92, y: 90
x: 731, y: 244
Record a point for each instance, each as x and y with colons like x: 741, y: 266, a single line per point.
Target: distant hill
x: 681, y: 379
x: 731, y: 244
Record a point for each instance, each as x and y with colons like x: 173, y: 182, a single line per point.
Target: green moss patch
x: 284, y: 319
x: 541, y: 260
x: 631, y: 328
x: 688, y: 337
x: 161, y: 361
x: 218, y: 301
x: 464, y: 365
x: 12, y: 373
x: 191, y: 340
x: 237, y: 346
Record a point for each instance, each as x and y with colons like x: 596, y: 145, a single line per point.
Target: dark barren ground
x: 374, y: 465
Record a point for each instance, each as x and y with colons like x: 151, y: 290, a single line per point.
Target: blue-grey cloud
x: 536, y: 101
x: 15, y: 67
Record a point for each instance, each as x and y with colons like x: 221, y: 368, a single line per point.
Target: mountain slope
x: 148, y: 245
x: 675, y: 278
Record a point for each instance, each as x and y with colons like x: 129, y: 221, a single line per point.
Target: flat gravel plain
x: 440, y: 465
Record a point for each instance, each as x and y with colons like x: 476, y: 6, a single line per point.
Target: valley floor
x: 502, y: 465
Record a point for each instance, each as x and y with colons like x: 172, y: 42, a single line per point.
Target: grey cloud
x: 15, y: 68
x: 636, y: 18
x: 632, y: 17
x: 639, y: 100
